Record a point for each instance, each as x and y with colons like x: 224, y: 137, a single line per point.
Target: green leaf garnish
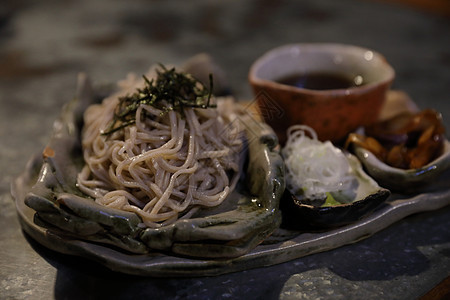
x: 330, y: 201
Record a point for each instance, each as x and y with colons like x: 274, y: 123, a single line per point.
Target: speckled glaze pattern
x: 428, y: 177
x: 48, y: 186
x: 282, y: 246
x: 232, y: 229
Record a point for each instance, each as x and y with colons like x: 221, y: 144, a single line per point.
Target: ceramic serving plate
x: 281, y: 247
x: 233, y: 228
x: 246, y: 244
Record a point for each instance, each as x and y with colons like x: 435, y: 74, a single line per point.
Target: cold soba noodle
x: 162, y: 152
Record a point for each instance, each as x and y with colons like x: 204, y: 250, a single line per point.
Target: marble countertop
x: 45, y: 44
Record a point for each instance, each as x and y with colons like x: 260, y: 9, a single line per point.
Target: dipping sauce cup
x: 333, y: 88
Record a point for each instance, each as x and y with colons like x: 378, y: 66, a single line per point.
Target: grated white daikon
x: 314, y: 167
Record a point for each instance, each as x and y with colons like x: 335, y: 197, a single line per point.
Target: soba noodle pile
x: 163, y: 166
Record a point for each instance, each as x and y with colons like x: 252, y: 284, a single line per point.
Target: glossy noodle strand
x: 165, y: 166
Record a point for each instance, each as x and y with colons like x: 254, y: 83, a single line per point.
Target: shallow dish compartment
x: 369, y: 195
x: 427, y: 178
x: 232, y: 229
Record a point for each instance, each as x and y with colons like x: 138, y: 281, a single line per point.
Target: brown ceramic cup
x: 332, y: 112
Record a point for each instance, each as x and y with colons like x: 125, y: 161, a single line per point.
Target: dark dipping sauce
x: 320, y: 81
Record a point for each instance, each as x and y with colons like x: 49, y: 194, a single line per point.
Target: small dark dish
x: 427, y: 178
x: 301, y: 215
x: 407, y: 154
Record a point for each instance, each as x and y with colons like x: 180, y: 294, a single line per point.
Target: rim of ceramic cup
x: 355, y: 56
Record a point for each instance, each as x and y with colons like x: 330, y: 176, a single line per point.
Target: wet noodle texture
x: 166, y: 164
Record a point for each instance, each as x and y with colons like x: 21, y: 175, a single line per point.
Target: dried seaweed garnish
x: 171, y: 90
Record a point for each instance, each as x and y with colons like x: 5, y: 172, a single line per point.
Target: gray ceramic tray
x: 281, y: 246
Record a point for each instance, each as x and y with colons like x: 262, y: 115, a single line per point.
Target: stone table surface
x: 45, y: 44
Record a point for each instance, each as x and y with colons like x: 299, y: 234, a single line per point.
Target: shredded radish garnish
x: 314, y: 168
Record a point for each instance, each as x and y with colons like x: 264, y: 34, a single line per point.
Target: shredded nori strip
x: 171, y: 90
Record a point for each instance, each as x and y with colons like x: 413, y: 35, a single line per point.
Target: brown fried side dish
x: 407, y: 141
